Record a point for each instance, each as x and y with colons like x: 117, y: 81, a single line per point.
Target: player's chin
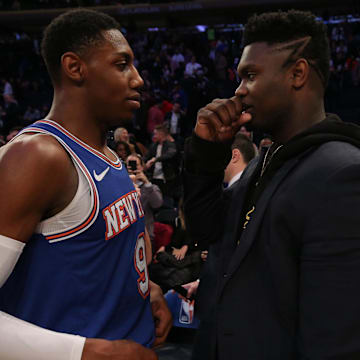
x: 125, y: 118
x: 261, y: 125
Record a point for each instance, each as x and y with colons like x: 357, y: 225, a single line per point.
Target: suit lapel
x: 239, y: 190
x: 248, y: 236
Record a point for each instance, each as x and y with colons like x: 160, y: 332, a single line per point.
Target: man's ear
x: 300, y: 73
x: 235, y: 155
x: 73, y: 67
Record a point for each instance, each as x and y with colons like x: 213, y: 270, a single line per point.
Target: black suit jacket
x: 181, y: 123
x: 169, y: 159
x: 291, y: 288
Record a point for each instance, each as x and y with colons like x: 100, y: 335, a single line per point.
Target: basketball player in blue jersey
x: 73, y: 275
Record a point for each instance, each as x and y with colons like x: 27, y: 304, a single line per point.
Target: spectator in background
x: 178, y: 94
x: 178, y: 262
x: 8, y: 90
x: 242, y: 152
x: 155, y: 116
x: 166, y: 107
x: 121, y: 134
x: 162, y: 163
x: 122, y: 148
x: 192, y: 67
x: 177, y: 60
x: 151, y: 197
x: 175, y: 122
x: 220, y: 65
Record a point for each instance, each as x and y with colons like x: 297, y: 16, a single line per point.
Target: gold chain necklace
x: 266, y: 162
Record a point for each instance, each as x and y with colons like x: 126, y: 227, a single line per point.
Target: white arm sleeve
x: 10, y: 250
x: 21, y: 340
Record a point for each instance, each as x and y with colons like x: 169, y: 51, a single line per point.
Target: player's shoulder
x: 33, y: 146
x: 34, y: 151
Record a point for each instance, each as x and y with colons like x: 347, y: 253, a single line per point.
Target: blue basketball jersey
x: 91, y: 278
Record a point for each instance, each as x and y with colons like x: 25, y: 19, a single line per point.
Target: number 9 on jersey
x: 141, y: 266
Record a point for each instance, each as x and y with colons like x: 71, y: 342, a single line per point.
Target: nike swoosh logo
x: 101, y: 175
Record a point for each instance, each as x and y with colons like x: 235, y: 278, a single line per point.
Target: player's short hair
x: 76, y: 31
x: 245, y: 146
x: 285, y: 28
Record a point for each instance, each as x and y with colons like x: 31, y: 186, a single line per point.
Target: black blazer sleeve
x: 204, y: 198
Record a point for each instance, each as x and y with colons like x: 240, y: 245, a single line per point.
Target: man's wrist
x: 95, y: 346
x: 204, y: 157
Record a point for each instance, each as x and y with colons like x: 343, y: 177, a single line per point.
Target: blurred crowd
x: 345, y: 59
x: 182, y: 72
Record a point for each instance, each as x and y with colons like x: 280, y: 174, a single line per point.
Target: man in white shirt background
x: 243, y: 152
x: 192, y: 67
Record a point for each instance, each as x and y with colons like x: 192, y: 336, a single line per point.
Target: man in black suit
x: 175, y: 121
x: 287, y: 279
x: 162, y: 162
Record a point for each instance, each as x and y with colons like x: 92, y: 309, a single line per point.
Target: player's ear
x: 73, y: 67
x: 300, y: 73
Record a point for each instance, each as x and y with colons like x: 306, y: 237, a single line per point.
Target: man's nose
x: 241, y: 90
x: 136, y: 81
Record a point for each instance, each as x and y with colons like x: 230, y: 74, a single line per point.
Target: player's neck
x: 302, y: 118
x: 75, y: 117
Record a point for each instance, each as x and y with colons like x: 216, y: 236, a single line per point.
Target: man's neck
x: 301, y: 120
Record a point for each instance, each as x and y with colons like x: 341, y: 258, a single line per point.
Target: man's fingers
x: 236, y: 101
x: 231, y: 107
x: 212, y: 120
x: 163, y: 320
x: 158, y: 341
x: 221, y: 119
x: 243, y: 119
x: 222, y: 110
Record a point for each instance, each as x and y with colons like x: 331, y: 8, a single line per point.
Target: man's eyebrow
x: 124, y: 54
x: 243, y: 68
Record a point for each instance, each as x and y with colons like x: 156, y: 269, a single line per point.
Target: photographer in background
x: 151, y: 196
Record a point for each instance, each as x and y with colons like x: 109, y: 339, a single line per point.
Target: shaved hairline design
x: 298, y: 46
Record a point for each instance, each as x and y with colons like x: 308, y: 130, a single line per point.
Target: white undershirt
x: 158, y: 170
x: 74, y: 214
x: 174, y: 123
x: 234, y: 179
